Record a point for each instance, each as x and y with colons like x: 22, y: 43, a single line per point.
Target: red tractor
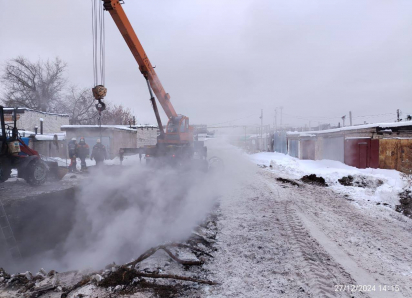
x: 16, y: 154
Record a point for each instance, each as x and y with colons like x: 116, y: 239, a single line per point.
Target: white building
x: 28, y: 119
x: 146, y: 134
x: 114, y: 137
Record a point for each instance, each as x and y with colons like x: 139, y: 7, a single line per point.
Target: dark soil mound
x: 284, y: 180
x: 346, y: 181
x: 406, y: 203
x: 124, y: 276
x: 360, y: 181
x: 315, y: 180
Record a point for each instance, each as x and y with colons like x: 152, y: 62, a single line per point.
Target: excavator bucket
x: 56, y: 172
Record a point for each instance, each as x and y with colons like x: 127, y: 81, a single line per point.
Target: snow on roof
x: 41, y: 112
x: 305, y: 134
x: 349, y: 128
x: 144, y: 126
x: 49, y: 137
x: 61, y: 136
x: 121, y: 127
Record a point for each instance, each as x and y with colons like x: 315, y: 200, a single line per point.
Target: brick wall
x: 146, y: 136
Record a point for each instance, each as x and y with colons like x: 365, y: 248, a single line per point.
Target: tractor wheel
x: 5, y: 172
x: 216, y: 164
x: 36, y: 173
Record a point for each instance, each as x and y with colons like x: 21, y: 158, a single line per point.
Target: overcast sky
x: 224, y: 60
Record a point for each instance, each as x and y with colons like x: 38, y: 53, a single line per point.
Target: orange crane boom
x: 122, y: 22
x: 176, y: 144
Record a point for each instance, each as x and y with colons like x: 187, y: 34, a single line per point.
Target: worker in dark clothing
x: 83, y: 151
x: 72, y: 148
x: 98, y: 152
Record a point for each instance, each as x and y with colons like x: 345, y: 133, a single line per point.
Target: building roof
x: 119, y: 127
x: 21, y: 110
x: 61, y: 136
x: 350, y: 128
x: 50, y: 137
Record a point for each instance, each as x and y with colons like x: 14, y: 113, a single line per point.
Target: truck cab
x: 178, y: 131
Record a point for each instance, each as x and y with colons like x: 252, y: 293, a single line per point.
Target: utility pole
x: 343, y: 120
x: 398, y: 115
x: 245, y: 137
x: 261, y: 128
x: 281, y: 116
x: 350, y: 118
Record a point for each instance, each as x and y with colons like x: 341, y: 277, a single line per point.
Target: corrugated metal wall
x: 396, y: 154
x: 49, y: 148
x: 361, y: 149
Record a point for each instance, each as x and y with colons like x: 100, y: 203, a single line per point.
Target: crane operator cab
x: 178, y: 131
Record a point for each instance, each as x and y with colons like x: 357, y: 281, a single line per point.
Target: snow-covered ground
x: 279, y: 240
x: 331, y: 171
x: 276, y: 239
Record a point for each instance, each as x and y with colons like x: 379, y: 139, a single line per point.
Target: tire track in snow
x: 313, y: 264
x: 379, y: 244
x: 320, y: 273
x: 318, y: 209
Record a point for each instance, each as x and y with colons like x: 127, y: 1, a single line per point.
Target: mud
x: 405, y: 206
x: 40, y: 224
x: 288, y: 181
x: 314, y: 180
x: 346, y: 180
x: 115, y: 281
x: 360, y: 181
x: 127, y: 278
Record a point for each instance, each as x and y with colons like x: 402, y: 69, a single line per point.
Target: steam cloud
x: 123, y: 211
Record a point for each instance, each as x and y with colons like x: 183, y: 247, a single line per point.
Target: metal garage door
x: 333, y: 149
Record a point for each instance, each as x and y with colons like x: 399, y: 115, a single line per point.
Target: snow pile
x: 381, y: 186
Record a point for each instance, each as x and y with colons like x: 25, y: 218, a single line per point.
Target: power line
x: 377, y: 115
x: 337, y: 117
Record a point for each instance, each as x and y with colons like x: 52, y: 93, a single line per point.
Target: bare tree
x: 117, y: 115
x: 35, y: 85
x: 80, y: 105
x: 41, y: 86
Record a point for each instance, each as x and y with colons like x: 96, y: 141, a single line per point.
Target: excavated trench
x: 133, y: 209
x: 40, y: 224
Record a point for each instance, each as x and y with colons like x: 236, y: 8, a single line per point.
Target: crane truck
x: 176, y: 143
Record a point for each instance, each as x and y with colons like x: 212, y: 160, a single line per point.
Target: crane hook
x: 100, y: 106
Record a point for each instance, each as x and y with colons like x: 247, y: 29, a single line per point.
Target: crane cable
x: 99, y: 65
x: 99, y: 36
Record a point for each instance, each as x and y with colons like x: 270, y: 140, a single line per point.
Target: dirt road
x: 280, y: 240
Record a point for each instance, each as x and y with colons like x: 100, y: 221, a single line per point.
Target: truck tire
x: 216, y: 164
x: 36, y: 173
x: 5, y: 172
